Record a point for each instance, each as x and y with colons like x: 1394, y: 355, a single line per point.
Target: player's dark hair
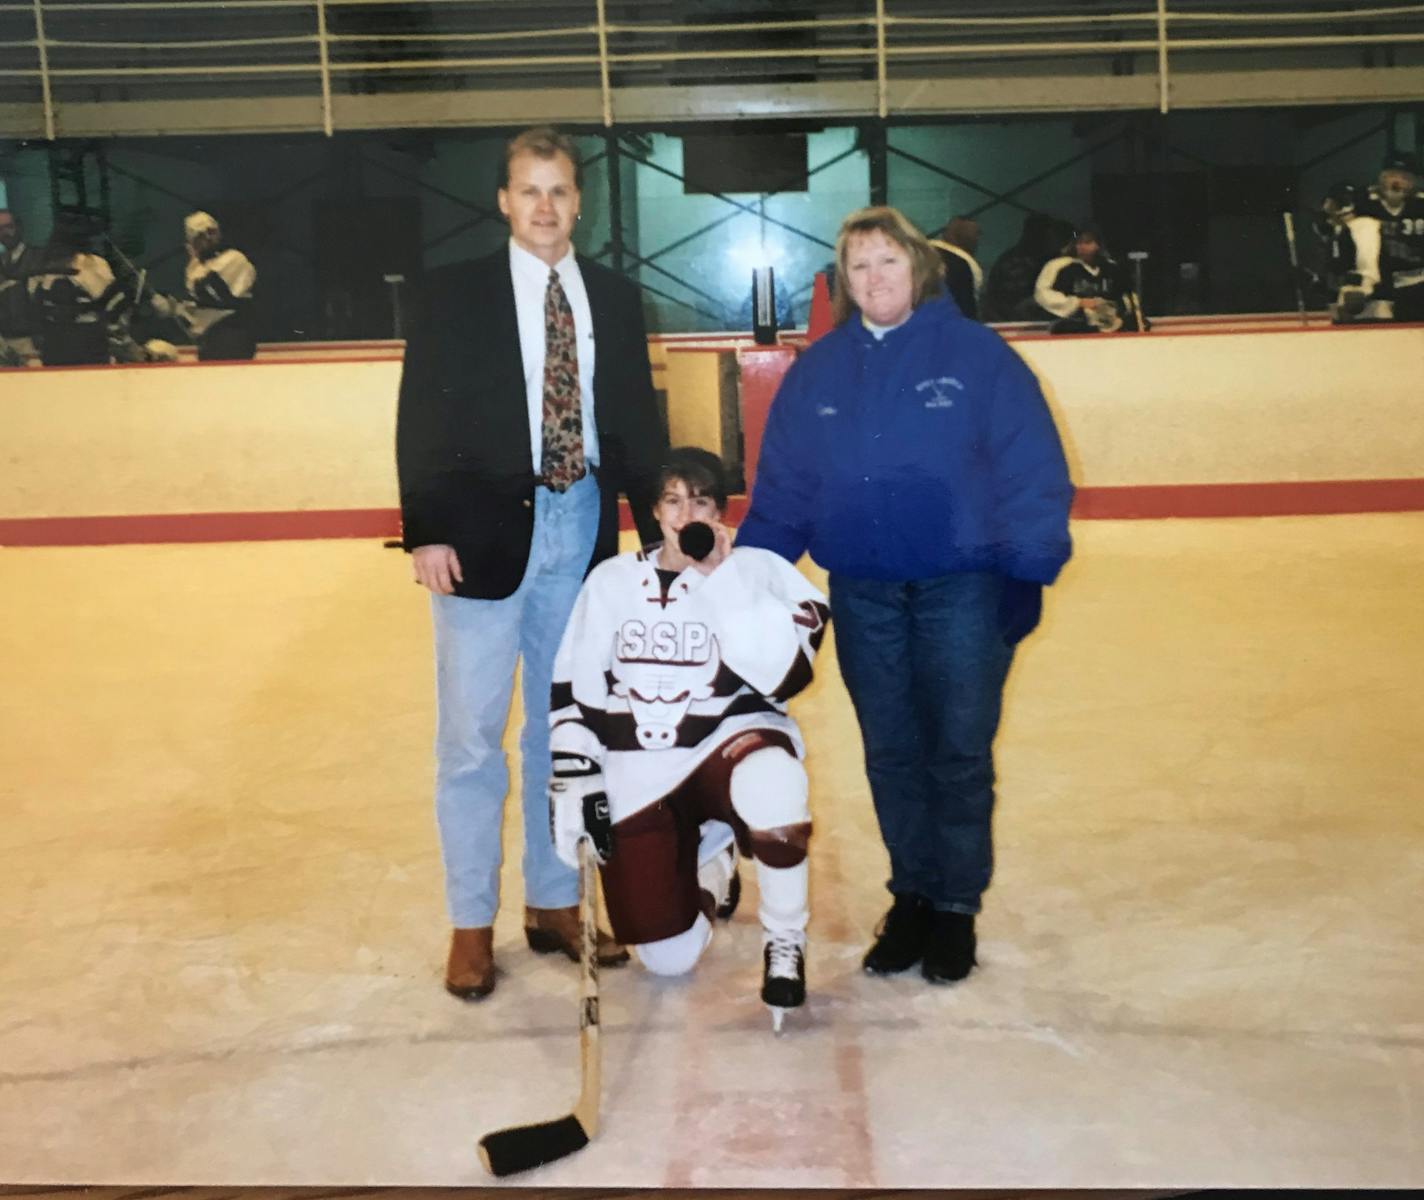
x: 543, y: 141
x: 699, y: 469
x: 961, y: 231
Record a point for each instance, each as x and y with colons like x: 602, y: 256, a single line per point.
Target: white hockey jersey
x: 649, y: 683
x: 1397, y: 250
x: 83, y: 293
x: 219, y: 286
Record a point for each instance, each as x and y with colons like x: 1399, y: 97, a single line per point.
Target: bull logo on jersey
x: 660, y: 670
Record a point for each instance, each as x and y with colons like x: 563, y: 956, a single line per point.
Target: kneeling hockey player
x: 670, y: 738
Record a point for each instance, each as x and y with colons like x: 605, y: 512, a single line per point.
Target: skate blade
x: 778, y: 1015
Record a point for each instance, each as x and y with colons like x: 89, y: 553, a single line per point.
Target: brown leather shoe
x: 469, y: 972
x: 551, y: 930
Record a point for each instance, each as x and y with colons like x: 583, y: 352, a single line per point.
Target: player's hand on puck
x: 705, y: 544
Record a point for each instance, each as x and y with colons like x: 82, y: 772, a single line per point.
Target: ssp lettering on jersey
x: 660, y: 669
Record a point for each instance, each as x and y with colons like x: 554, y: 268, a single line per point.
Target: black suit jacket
x: 463, y: 453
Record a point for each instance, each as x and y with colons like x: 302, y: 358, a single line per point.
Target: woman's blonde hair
x: 926, y: 270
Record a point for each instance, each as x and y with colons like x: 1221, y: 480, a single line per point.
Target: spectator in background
x: 220, y: 281
x: 963, y: 277
x: 1084, y: 287
x: 17, y: 262
x: 1351, y: 245
x: 1008, y: 292
x: 76, y: 304
x: 1395, y: 204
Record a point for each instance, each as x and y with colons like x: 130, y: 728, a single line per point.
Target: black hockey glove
x: 1352, y: 297
x: 578, y: 805
x: 1020, y: 607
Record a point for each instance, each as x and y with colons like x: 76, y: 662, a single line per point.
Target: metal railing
x: 62, y: 51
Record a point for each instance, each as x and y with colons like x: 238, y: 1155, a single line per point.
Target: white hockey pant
x: 676, y: 955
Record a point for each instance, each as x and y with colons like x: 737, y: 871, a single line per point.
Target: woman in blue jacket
x: 910, y: 451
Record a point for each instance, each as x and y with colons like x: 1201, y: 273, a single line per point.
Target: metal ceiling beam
x: 990, y: 94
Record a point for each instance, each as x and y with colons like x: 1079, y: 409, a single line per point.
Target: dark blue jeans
x: 925, y: 663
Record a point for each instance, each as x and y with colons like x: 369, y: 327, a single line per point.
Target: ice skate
x: 783, y: 981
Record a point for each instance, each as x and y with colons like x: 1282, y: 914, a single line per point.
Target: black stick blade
x: 524, y: 1147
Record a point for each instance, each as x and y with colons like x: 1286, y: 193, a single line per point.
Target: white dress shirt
x: 531, y: 284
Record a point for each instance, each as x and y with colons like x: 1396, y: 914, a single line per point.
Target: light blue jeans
x: 477, y: 643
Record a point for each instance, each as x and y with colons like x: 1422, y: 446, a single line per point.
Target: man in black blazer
x: 526, y: 406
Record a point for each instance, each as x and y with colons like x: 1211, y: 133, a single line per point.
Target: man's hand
x: 578, y: 805
x: 437, y: 568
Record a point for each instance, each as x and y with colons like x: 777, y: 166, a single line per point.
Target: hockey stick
x: 523, y: 1147
x: 1134, y: 297
x: 141, y: 273
x: 1295, y: 266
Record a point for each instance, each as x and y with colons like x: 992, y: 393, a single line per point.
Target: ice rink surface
x: 1201, y: 959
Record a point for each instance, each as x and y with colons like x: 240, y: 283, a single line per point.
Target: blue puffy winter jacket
x: 927, y: 451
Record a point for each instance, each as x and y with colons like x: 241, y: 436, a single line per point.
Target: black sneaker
x: 901, y: 937
x: 949, y: 957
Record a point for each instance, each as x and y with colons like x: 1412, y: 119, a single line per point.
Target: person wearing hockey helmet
x: 220, y: 281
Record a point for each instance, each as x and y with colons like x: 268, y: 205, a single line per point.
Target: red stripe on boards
x: 200, y: 527
x: 1311, y: 498
x: 1314, y: 498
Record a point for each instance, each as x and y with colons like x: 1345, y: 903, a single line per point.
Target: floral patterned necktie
x: 563, y: 463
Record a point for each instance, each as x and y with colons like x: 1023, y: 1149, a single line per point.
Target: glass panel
x: 695, y: 254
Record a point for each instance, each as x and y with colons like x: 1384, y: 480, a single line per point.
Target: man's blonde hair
x: 546, y: 142
x: 926, y: 270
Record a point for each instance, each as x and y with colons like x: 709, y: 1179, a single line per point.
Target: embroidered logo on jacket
x: 939, y: 396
